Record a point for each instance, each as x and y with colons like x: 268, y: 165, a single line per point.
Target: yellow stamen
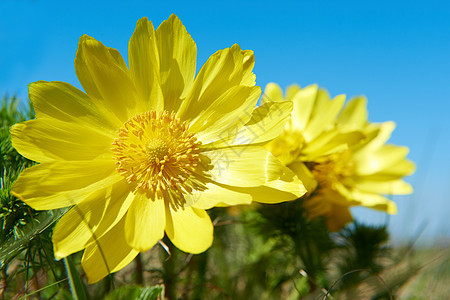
x: 158, y: 154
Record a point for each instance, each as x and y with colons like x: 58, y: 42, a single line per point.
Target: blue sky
x: 397, y: 53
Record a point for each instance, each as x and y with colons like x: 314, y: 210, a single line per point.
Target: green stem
x: 169, y: 273
x: 139, y: 270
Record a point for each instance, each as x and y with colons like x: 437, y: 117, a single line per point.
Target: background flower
x: 341, y: 157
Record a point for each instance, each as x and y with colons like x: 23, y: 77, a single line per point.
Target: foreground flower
x: 147, y: 148
x: 341, y: 157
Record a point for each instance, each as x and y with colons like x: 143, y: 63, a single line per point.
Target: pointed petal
x: 374, y: 162
x: 177, y: 60
x: 392, y: 187
x: 303, y: 106
x: 144, y: 65
x: 60, y: 100
x: 89, y: 220
x: 272, y: 93
x: 61, y: 184
x: 244, y: 166
x: 287, y: 188
x: 304, y: 174
x: 266, y: 123
x: 104, y: 75
x: 110, y: 254
x: 354, y: 114
x: 230, y: 112
x: 291, y: 91
x: 145, y: 222
x: 190, y: 229
x: 45, y: 140
x: 324, y: 114
x: 225, y: 69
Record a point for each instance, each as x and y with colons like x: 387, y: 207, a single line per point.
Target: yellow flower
x: 341, y: 157
x: 147, y: 148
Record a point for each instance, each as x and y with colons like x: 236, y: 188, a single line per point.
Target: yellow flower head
x: 146, y: 148
x: 341, y: 157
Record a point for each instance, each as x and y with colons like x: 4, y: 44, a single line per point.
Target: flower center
x: 159, y: 156
x: 334, y: 168
x: 156, y: 150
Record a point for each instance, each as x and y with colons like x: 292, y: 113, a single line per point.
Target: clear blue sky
x: 397, y: 53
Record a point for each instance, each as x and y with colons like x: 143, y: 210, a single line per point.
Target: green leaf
x: 135, y: 292
x: 76, y: 286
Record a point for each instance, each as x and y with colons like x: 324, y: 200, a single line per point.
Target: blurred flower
x: 147, y: 148
x: 341, y: 157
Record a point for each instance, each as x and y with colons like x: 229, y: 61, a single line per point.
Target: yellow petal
x: 337, y: 216
x: 370, y: 200
x: 61, y: 184
x: 272, y: 93
x: 374, y: 162
x: 60, y: 100
x: 145, y: 222
x: 46, y: 139
x: 291, y: 91
x: 287, y: 189
x: 304, y: 174
x: 190, y: 229
x: 377, y: 136
x: 303, y: 106
x: 396, y: 171
x: 354, y: 114
x: 244, y: 166
x: 324, y: 114
x: 393, y: 187
x: 104, y: 75
x: 225, y: 69
x: 89, y: 220
x: 267, y: 122
x: 248, y: 78
x: 110, y: 254
x: 177, y: 60
x: 144, y: 65
x: 230, y: 112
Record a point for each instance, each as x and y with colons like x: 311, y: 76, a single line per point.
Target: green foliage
x: 76, y: 286
x: 135, y: 292
x: 14, y: 214
x: 364, y: 247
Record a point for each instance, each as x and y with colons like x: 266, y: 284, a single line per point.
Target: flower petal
x: 145, y: 222
x: 392, y: 187
x: 288, y: 188
x: 304, y: 174
x: 110, y: 254
x: 177, y: 61
x: 374, y: 162
x: 266, y: 123
x: 89, y: 220
x: 144, y: 65
x: 225, y: 69
x: 354, y: 114
x: 230, y: 112
x: 190, y: 229
x: 46, y: 139
x: 104, y: 75
x: 371, y: 200
x: 304, y: 102
x: 272, y: 93
x: 244, y: 166
x: 62, y: 101
x: 324, y: 114
x: 61, y: 184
